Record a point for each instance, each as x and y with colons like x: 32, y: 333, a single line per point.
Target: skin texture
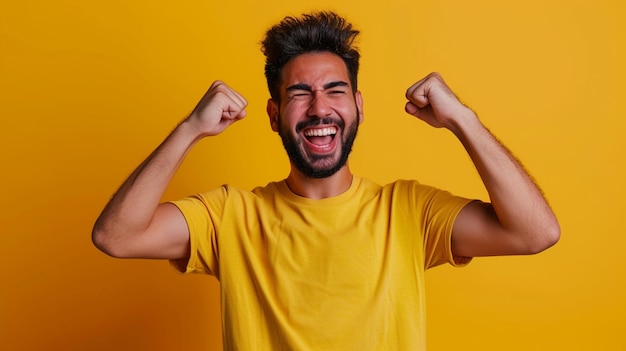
x: 312, y: 108
x: 323, y: 93
x: 516, y: 221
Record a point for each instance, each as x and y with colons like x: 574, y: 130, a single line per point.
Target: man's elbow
x: 545, y: 238
x: 105, y: 242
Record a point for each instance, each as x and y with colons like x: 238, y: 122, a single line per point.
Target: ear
x: 272, y: 113
x: 359, y: 105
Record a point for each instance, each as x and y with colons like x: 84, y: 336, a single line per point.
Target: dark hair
x: 320, y: 31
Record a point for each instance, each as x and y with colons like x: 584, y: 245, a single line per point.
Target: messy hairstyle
x: 316, y: 32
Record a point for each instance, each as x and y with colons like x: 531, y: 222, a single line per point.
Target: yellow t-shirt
x: 342, y: 273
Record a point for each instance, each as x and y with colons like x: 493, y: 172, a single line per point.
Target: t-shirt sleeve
x: 203, y: 213
x: 438, y: 210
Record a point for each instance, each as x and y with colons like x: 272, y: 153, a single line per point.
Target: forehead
x: 314, y: 69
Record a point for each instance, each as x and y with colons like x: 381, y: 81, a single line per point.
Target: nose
x: 319, y: 105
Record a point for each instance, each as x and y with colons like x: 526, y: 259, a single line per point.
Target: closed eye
x: 299, y: 95
x: 336, y: 92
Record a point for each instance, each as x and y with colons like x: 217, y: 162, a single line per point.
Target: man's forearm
x: 133, y: 223
x: 517, y: 201
x: 131, y: 209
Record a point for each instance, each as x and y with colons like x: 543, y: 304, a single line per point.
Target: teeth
x: 321, y: 131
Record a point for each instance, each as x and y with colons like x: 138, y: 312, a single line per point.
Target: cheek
x: 294, y: 107
x: 346, y: 103
x: 290, y: 115
x: 348, y: 112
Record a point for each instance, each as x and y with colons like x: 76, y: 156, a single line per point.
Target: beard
x: 319, y: 166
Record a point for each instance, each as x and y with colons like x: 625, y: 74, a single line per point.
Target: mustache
x: 319, y: 121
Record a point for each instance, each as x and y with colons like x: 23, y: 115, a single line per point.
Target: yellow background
x: 89, y: 88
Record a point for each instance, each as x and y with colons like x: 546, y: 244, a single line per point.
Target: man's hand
x: 432, y: 101
x: 220, y: 107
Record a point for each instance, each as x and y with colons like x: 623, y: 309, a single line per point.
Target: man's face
x: 318, y: 116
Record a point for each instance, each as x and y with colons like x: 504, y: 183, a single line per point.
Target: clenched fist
x: 220, y: 107
x: 432, y: 101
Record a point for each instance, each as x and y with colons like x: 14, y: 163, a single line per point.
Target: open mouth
x: 320, y: 137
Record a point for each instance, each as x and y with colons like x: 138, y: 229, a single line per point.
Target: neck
x: 319, y: 188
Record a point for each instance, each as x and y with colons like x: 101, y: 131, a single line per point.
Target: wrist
x: 189, y: 130
x: 466, y: 120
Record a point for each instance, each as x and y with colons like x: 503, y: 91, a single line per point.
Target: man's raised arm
x: 518, y: 220
x: 134, y: 223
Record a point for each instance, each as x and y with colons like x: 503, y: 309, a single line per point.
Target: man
x: 324, y: 260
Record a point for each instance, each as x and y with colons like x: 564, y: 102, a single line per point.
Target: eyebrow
x: 306, y: 87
